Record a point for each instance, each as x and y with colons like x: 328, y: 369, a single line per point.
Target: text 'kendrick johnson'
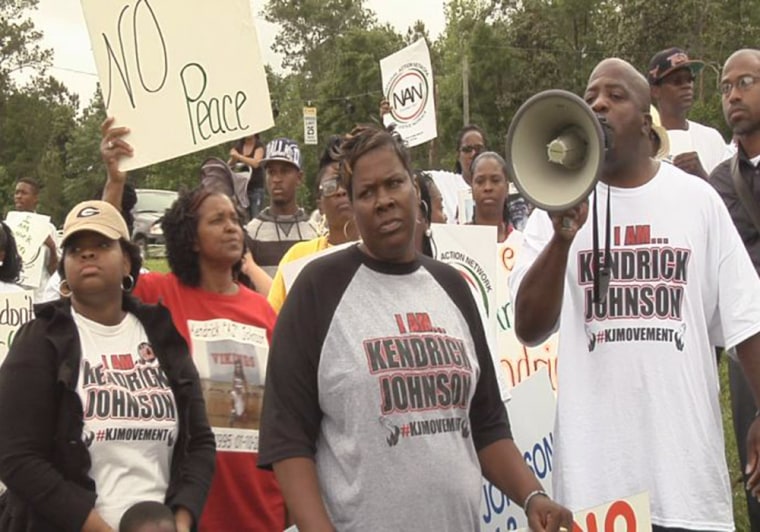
x: 421, y: 370
x: 647, y: 281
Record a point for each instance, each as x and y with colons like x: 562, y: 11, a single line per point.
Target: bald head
x: 740, y: 96
x: 630, y: 77
x: 746, y: 54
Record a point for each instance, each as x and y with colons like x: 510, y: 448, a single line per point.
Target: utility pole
x: 465, y: 87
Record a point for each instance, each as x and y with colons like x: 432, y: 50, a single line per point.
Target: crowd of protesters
x: 126, y: 401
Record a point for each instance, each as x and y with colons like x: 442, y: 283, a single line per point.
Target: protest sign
x: 630, y: 514
x: 465, y: 206
x: 449, y: 184
x: 16, y: 308
x: 231, y: 358
x: 172, y: 73
x: 407, y: 78
x: 469, y: 249
x: 516, y: 361
x: 30, y: 231
x: 531, y: 415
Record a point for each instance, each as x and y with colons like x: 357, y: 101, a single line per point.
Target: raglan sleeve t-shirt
x: 389, y: 386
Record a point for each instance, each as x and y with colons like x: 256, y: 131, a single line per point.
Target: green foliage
x: 19, y: 41
x: 332, y: 48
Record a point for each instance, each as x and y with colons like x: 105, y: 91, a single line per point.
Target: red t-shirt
x: 242, y: 497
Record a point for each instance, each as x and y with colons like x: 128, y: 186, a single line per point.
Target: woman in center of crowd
x: 490, y: 191
x: 344, y: 416
x: 204, y: 246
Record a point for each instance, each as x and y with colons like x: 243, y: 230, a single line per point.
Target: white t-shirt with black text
x: 130, y: 415
x: 638, y: 406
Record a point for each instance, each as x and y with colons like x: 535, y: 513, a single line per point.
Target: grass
x: 732, y: 456
x: 156, y: 265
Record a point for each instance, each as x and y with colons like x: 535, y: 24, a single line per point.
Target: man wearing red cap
x: 694, y: 148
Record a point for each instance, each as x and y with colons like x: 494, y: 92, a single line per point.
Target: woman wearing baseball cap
x: 87, y: 428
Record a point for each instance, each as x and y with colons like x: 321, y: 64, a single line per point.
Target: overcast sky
x: 65, y: 32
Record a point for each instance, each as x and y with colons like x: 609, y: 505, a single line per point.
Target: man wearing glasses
x: 740, y: 93
x: 694, y: 148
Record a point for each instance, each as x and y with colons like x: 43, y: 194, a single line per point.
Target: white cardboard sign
x: 16, y: 308
x: 407, y: 78
x: 531, y: 416
x: 182, y: 76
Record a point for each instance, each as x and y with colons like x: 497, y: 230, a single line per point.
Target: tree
x: 308, y: 24
x: 38, y: 119
x: 19, y: 41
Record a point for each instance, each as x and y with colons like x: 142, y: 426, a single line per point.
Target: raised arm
x: 112, y: 148
x: 539, y: 298
x: 253, y: 162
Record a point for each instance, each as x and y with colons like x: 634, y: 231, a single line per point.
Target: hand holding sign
x: 113, y: 147
x: 546, y: 515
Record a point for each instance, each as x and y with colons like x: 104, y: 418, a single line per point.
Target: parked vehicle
x: 148, y: 212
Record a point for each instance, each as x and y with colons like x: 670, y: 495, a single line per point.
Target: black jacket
x: 721, y: 180
x: 43, y: 459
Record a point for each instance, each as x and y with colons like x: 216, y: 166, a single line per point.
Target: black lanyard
x: 602, y: 271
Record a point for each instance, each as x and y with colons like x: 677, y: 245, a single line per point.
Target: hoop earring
x: 345, y: 229
x: 425, y: 209
x: 128, y: 283
x: 64, y: 289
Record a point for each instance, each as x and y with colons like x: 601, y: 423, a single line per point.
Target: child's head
x: 148, y: 516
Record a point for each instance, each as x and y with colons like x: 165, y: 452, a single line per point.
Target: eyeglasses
x: 330, y: 187
x: 744, y: 83
x: 469, y: 148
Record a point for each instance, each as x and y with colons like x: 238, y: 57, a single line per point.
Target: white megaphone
x: 555, y: 150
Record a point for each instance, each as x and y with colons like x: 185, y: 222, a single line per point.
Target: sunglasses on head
x: 330, y: 187
x: 469, y: 148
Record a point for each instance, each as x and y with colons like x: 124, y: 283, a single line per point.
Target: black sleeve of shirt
x: 488, y: 417
x: 197, y: 468
x: 29, y: 401
x: 291, y: 417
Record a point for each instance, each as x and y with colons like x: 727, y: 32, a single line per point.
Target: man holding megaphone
x: 637, y: 406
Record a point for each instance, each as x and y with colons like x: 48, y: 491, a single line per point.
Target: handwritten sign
x: 631, y: 514
x: 517, y: 361
x: 531, y: 415
x: 172, y: 73
x: 16, y: 308
x: 407, y: 78
x: 30, y: 231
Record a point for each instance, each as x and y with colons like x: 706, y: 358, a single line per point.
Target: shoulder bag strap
x: 745, y: 196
